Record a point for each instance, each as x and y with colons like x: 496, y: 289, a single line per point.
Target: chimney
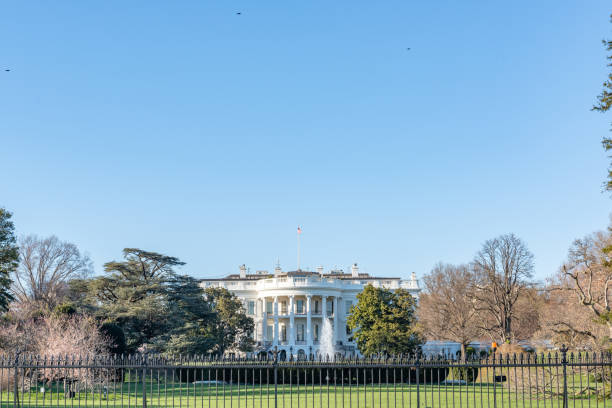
x: 320, y: 270
x: 414, y: 283
x: 355, y: 271
x: 243, y: 271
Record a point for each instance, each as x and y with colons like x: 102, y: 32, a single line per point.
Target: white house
x: 289, y: 308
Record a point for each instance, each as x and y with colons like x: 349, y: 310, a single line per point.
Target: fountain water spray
x: 326, y: 349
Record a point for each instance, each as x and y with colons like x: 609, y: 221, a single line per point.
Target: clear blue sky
x: 183, y: 128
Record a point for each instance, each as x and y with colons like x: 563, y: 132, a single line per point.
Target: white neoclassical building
x: 289, y: 308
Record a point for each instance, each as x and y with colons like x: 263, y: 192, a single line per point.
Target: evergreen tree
x: 164, y: 310
x: 384, y: 321
x: 232, y: 328
x: 604, y: 104
x: 193, y: 319
x: 9, y: 258
x: 133, y: 295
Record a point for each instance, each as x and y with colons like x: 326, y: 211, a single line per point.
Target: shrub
x: 64, y: 309
x: 116, y: 337
x: 467, y: 374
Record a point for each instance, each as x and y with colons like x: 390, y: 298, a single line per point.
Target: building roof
x: 340, y: 276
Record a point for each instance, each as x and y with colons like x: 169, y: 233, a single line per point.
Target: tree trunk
x: 508, y: 328
x: 463, y: 351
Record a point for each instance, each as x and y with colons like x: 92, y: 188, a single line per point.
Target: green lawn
x: 166, y: 391
x: 399, y: 396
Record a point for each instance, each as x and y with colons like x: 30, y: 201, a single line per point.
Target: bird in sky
x: 408, y: 49
x: 238, y: 13
x: 7, y: 70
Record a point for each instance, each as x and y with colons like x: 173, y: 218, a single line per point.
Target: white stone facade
x: 288, y: 308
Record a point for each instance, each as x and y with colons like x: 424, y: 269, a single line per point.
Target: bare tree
x: 58, y: 337
x: 503, y: 268
x: 446, y: 308
x: 580, y: 293
x: 526, y: 317
x: 566, y: 322
x: 45, y: 267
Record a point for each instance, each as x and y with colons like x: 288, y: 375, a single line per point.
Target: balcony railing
x: 287, y: 282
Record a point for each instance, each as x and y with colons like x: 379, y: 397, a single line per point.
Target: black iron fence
x: 535, y: 380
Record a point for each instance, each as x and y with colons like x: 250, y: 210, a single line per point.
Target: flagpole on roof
x: 299, y: 231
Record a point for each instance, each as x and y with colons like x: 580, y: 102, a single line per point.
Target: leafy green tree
x: 163, y: 310
x: 64, y: 309
x: 604, y: 104
x: 232, y: 328
x: 115, y: 336
x: 384, y: 321
x: 133, y: 295
x: 9, y: 258
x: 192, y: 316
x: 79, y: 294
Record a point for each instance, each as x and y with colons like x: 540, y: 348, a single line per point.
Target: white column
x: 308, y: 321
x: 336, y: 335
x: 264, y: 321
x: 291, y: 322
x: 324, y: 306
x: 276, y: 334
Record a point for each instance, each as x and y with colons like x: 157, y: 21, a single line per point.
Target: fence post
x: 564, y: 362
x: 144, y: 380
x: 417, y: 364
x: 494, y: 380
x: 16, y: 385
x: 275, y: 365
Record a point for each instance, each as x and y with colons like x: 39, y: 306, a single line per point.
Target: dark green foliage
x: 192, y: 318
x: 65, y: 309
x: 80, y: 296
x: 116, y: 337
x: 426, y: 375
x: 232, y: 328
x: 468, y: 374
x: 133, y: 295
x: 604, y: 104
x: 9, y: 258
x: 384, y: 321
x: 165, y: 311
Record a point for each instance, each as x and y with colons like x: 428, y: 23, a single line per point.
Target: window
x: 251, y: 307
x: 300, y: 332
x: 270, y: 333
x: 348, y: 304
x: 330, y: 308
x: 269, y: 307
x: 316, y: 332
x: 284, y: 307
x: 348, y: 330
x: 283, y: 333
x: 316, y: 307
x: 300, y: 306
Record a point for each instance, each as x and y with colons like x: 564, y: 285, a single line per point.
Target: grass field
x: 527, y: 387
x: 225, y: 396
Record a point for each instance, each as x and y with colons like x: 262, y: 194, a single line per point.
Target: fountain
x: 326, y: 349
